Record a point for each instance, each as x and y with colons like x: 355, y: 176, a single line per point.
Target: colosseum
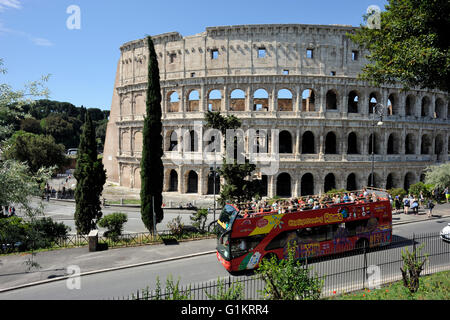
x: 298, y: 81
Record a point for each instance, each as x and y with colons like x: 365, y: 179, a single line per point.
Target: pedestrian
x: 447, y: 194
x: 421, y: 199
x: 397, y: 203
x: 415, y: 205
x: 430, y: 208
x: 405, y: 204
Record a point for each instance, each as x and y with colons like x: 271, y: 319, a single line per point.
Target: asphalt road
x: 122, y: 283
x: 63, y: 211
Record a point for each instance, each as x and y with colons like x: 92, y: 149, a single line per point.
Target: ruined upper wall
x: 236, y: 50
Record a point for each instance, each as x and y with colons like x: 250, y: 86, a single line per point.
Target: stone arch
x: 439, y: 144
x: 353, y: 99
x: 137, y: 141
x: 374, y: 98
x: 173, y: 181
x: 260, y: 100
x: 331, y: 100
x: 410, y: 144
x: 376, y: 143
x: 173, y: 140
x: 392, y: 104
x: 191, y: 182
x: 125, y: 178
x: 329, y: 182
x: 213, y: 188
x: 237, y: 100
x: 284, y: 98
x: 307, y: 184
x: 173, y: 104
x: 125, y: 141
x: 425, y: 145
x: 265, y: 185
x: 140, y: 105
x: 125, y: 106
x: 308, y: 143
x: 193, y: 101
x: 376, y: 180
x: 285, y: 142
x: 308, y: 100
x: 137, y: 178
x: 408, y: 180
x: 439, y: 108
x: 284, y: 185
x: 214, y: 100
x: 351, y: 182
x: 410, y: 105
x: 393, y: 145
x: 330, y: 143
x: 352, y: 143
x: 425, y: 107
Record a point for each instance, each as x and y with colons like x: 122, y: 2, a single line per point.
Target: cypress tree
x: 91, y: 176
x: 152, y: 169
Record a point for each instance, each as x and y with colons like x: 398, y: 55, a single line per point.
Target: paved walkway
x: 13, y: 269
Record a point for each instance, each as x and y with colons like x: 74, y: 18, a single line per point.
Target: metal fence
x: 127, y: 240
x: 341, y: 273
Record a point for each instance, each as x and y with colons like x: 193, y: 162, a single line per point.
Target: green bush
x: 50, y: 229
x: 397, y: 192
x: 420, y: 186
x: 199, y: 219
x: 288, y: 279
x: 176, y: 226
x: 114, y: 224
x: 13, y: 231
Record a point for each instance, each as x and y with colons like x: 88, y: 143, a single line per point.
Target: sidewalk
x: 54, y: 264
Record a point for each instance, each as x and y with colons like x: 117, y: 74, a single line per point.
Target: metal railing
x: 341, y: 273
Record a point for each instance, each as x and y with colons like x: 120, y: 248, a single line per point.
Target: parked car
x: 445, y: 233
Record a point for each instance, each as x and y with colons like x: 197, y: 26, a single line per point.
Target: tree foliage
x: 36, y: 150
x: 411, y: 45
x: 152, y: 169
x: 239, y: 185
x: 438, y: 175
x: 288, y: 279
x: 91, y: 176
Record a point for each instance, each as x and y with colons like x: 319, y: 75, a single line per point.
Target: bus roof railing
x: 380, y: 193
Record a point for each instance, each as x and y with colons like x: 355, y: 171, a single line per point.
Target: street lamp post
x: 214, y: 173
x: 378, y: 109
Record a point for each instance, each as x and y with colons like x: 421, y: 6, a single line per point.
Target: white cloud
x: 36, y: 40
x: 41, y: 42
x: 5, y: 4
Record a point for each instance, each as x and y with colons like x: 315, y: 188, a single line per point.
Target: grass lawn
x: 432, y: 287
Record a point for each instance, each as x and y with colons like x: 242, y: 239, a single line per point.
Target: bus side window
x: 319, y: 233
x: 278, y: 242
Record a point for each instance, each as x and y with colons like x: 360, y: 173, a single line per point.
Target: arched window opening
x: 173, y: 141
x: 192, y: 182
x: 173, y: 181
x: 331, y: 100
x: 307, y: 184
x: 174, y: 102
x: 237, y: 100
x: 260, y: 100
x: 284, y: 185
x: 353, y: 102
x: 351, y: 182
x: 330, y: 143
x: 284, y: 100
x: 214, y: 100
x: 330, y: 182
x: 193, y: 101
x: 308, y: 143
x: 308, y: 100
x: 409, y: 144
x: 285, y: 139
x: 352, y: 143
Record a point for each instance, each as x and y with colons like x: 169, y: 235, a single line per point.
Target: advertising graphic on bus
x: 244, y: 239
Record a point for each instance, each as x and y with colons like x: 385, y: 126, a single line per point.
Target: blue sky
x: 35, y: 39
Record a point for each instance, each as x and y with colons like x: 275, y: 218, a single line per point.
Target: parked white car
x: 445, y: 233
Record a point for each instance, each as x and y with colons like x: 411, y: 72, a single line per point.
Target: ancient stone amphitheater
x: 296, y: 86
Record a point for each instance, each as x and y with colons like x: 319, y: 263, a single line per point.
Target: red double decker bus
x: 244, y: 240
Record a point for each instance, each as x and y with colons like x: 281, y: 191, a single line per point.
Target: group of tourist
x: 305, y: 203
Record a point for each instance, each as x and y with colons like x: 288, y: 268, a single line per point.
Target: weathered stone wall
x: 301, y: 79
